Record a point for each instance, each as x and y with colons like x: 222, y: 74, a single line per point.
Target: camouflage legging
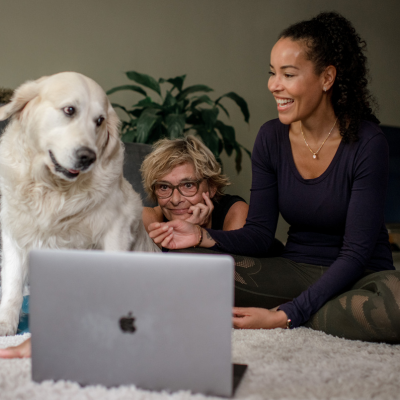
x: 369, y: 311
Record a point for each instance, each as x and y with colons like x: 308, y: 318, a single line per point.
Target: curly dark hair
x: 332, y: 40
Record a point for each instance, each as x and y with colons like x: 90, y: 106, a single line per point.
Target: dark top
x: 221, y: 208
x: 335, y: 220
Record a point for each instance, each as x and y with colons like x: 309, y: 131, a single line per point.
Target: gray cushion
x: 134, y: 155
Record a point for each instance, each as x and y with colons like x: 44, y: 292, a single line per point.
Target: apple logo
x: 127, y: 323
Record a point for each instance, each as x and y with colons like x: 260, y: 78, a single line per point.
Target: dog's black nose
x: 84, y: 157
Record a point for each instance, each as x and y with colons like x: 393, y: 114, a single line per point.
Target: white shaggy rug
x: 296, y: 364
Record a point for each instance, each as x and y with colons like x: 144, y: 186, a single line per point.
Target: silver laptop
x: 158, y: 321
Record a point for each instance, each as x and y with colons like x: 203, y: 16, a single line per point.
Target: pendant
x: 314, y: 156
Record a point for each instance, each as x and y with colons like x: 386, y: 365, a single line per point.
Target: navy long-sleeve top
x: 336, y: 220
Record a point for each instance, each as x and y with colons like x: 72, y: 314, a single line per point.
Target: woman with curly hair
x: 324, y: 166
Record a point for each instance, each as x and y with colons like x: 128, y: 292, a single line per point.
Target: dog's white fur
x: 44, y: 206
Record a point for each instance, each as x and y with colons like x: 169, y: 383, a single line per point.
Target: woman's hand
x: 176, y: 234
x: 258, y: 318
x: 179, y: 234
x: 201, y: 213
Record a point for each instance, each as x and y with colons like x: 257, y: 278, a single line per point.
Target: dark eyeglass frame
x: 173, y: 187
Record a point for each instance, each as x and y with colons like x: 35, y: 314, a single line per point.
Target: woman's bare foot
x: 23, y: 350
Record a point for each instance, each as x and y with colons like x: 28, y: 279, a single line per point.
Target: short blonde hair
x: 167, y: 154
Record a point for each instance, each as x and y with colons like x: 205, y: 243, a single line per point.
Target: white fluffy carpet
x: 296, y: 364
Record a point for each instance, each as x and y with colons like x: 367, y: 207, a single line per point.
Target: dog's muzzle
x: 84, y: 157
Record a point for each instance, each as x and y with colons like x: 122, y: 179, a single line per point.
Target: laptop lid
x: 159, y: 321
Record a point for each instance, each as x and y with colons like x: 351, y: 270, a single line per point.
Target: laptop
x: 158, y: 321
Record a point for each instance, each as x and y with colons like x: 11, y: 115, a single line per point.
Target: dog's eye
x: 99, y: 121
x: 69, y: 110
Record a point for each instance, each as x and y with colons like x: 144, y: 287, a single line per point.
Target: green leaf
x: 177, y: 82
x: 137, y: 112
x: 239, y: 101
x: 175, y: 125
x: 169, y: 101
x: 238, y: 158
x: 223, y: 109
x: 220, y: 149
x: 158, y: 132
x: 210, y: 139
x: 247, y: 151
x: 145, y: 124
x: 194, y: 118
x: 129, y: 136
x: 127, y: 125
x: 196, y: 100
x: 228, y: 135
x: 145, y: 80
x: 127, y: 87
x: 209, y: 116
x: 147, y: 102
x: 115, y: 105
x: 181, y: 105
x: 192, y: 89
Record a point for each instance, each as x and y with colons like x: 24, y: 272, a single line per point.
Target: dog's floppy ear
x: 113, y: 142
x: 22, y: 95
x: 113, y: 122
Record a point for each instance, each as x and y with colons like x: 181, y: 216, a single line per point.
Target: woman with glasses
x: 185, y: 179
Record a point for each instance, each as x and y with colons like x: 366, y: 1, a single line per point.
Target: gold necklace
x: 315, y: 153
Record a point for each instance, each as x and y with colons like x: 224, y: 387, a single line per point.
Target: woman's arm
x: 255, y: 238
x: 236, y: 216
x: 23, y: 350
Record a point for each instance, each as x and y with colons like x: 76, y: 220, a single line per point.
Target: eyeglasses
x: 163, y: 190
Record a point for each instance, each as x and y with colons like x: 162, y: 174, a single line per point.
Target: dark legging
x: 369, y: 310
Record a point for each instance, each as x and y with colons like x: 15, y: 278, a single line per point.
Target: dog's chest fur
x: 51, y: 213
x: 55, y: 220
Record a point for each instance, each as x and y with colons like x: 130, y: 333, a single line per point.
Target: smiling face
x: 297, y: 89
x: 177, y: 206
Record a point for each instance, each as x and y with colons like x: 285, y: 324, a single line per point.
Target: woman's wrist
x: 200, y: 236
x: 282, y: 319
x: 207, y: 240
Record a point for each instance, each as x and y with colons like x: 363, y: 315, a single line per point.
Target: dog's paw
x: 7, y: 328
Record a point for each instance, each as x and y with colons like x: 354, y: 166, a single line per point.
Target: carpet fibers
x: 296, y: 364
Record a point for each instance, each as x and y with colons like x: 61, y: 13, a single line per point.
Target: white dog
x: 61, y: 180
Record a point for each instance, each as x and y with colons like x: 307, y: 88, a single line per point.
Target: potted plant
x: 177, y: 112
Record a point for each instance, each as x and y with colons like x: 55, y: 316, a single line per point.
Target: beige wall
x: 224, y: 44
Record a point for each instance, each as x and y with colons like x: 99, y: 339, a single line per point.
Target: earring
x: 324, y: 89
